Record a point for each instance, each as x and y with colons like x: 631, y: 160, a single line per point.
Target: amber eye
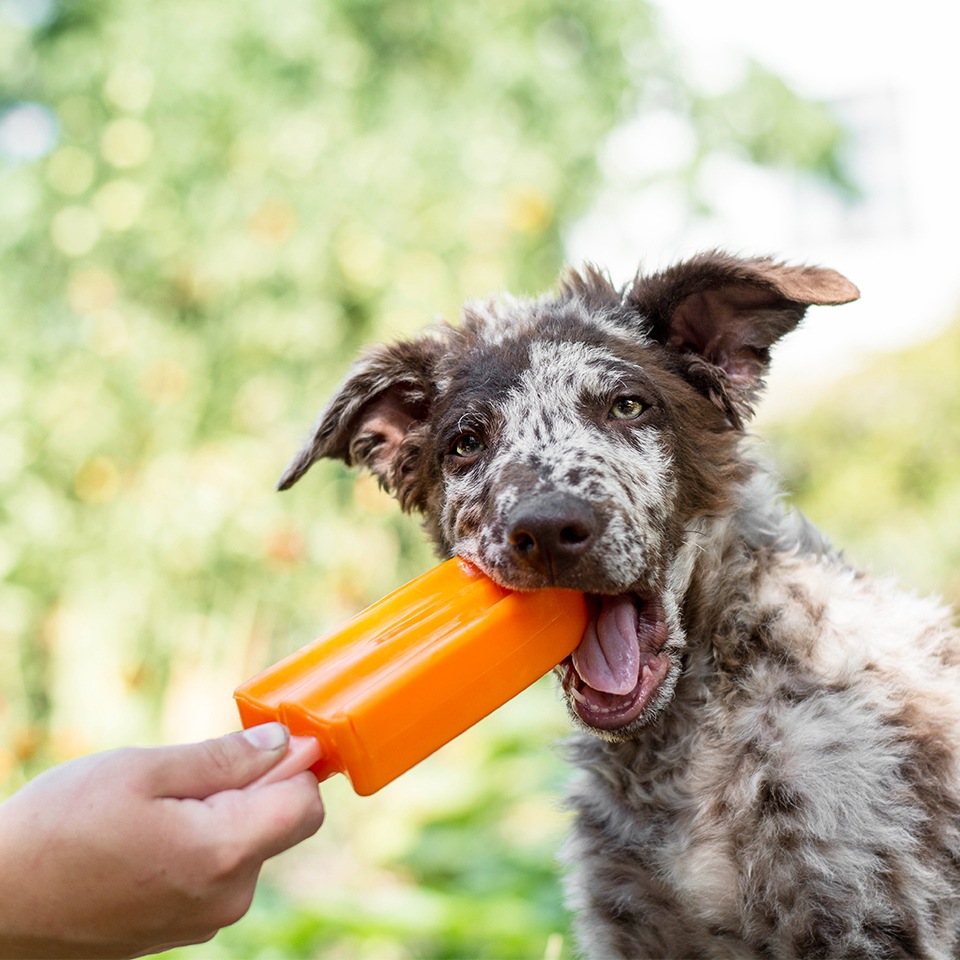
x: 627, y: 408
x: 467, y: 445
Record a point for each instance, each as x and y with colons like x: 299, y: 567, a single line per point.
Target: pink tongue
x: 608, y: 658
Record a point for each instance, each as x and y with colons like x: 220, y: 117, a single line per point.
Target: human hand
x: 139, y: 850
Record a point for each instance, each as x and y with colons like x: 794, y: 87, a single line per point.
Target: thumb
x: 198, y: 770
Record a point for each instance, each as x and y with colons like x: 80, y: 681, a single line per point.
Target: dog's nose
x: 550, y: 531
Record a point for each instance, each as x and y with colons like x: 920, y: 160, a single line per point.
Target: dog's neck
x: 719, y: 553
x: 764, y: 521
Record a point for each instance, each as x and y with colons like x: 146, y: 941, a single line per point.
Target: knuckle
x: 218, y: 755
x: 225, y: 861
x: 213, y: 863
x: 316, y: 815
x: 303, y: 818
x: 231, y: 905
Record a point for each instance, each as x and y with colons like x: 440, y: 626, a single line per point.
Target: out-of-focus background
x: 207, y: 208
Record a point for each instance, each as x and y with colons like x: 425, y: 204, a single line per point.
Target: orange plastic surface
x: 414, y: 670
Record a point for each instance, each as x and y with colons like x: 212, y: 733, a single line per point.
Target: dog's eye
x: 627, y: 408
x: 466, y: 445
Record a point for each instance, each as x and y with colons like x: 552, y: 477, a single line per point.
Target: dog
x: 767, y: 738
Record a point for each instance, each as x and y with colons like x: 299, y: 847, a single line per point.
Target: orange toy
x: 414, y: 670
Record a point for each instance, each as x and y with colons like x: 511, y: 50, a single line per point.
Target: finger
x: 198, y: 770
x: 302, y: 753
x: 280, y: 815
x: 205, y: 937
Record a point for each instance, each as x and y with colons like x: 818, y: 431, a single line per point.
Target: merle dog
x: 769, y: 738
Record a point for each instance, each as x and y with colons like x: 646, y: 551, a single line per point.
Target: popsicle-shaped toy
x: 414, y: 670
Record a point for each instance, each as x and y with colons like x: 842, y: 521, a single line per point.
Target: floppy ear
x: 730, y: 312
x: 368, y: 421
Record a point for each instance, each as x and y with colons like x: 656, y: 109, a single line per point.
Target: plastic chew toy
x: 414, y: 670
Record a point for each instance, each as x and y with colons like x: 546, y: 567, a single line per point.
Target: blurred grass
x: 212, y: 208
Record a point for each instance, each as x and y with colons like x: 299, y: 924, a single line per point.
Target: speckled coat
x: 800, y: 796
x: 768, y: 738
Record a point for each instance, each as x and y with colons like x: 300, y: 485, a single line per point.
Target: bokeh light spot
x: 165, y: 381
x: 129, y: 86
x: 75, y: 230
x: 126, y: 142
x: 274, y: 221
x: 118, y: 204
x: 28, y: 13
x: 71, y: 170
x: 110, y: 333
x: 97, y: 481
x: 91, y: 290
x: 28, y: 131
x: 528, y: 210
x: 360, y: 255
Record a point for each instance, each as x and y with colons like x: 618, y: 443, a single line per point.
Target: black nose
x: 550, y: 531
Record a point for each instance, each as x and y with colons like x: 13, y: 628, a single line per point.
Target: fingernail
x: 268, y: 736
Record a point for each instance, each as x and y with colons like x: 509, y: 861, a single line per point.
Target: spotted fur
x: 782, y: 779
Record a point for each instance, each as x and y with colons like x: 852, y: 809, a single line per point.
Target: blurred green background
x: 206, y: 209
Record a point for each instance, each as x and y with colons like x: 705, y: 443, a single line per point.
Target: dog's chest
x: 651, y: 850
x: 793, y: 755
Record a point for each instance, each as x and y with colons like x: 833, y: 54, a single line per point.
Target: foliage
x: 765, y: 121
x: 213, y: 207
x: 875, y: 463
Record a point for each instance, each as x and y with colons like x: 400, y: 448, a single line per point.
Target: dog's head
x: 571, y: 441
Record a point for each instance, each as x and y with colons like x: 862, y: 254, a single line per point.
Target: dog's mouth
x: 619, y: 666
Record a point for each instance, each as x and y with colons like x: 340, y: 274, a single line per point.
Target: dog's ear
x: 386, y: 394
x: 730, y: 312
